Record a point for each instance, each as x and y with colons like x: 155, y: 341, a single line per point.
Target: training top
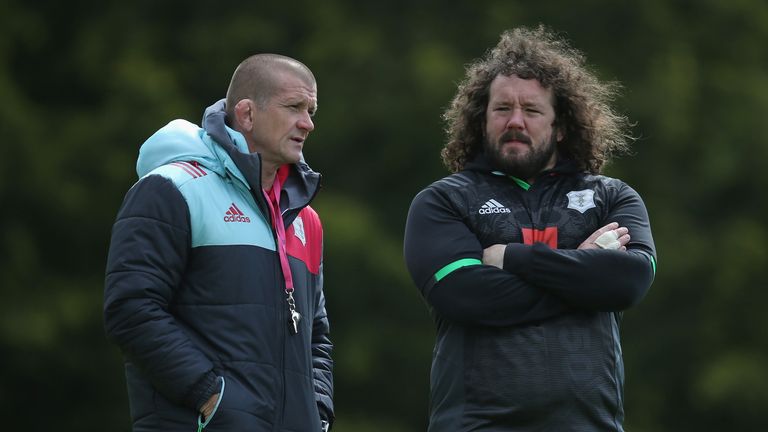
x: 533, y: 346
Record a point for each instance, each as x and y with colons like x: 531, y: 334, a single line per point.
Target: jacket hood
x: 222, y: 150
x: 181, y: 140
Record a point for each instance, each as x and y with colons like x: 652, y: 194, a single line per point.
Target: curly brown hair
x: 592, y: 130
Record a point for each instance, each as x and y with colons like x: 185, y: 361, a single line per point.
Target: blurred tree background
x: 83, y: 83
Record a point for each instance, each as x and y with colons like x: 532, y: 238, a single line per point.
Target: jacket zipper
x: 280, y: 307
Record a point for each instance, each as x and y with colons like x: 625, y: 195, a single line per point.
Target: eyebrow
x: 294, y: 100
x: 523, y: 103
x: 534, y: 104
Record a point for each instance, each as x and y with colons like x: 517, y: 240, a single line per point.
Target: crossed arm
x: 494, y: 254
x: 515, y: 283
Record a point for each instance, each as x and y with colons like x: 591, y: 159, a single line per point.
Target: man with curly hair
x: 526, y: 255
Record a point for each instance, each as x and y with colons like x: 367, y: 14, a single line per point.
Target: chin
x: 294, y: 159
x: 512, y: 151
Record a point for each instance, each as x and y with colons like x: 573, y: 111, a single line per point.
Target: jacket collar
x: 481, y: 164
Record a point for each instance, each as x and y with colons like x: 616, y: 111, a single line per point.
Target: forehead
x: 506, y: 87
x: 289, y: 84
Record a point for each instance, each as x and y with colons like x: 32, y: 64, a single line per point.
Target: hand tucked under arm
x: 443, y: 256
x: 590, y: 277
x: 494, y: 254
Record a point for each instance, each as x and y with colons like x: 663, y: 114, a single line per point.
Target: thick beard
x: 524, y: 167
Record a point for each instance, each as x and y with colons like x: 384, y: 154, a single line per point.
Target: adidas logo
x: 492, y: 206
x: 234, y: 214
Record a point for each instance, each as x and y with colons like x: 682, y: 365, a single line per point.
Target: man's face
x: 520, y: 138
x: 281, y: 126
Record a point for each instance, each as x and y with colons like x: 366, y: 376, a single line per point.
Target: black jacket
x: 534, y: 346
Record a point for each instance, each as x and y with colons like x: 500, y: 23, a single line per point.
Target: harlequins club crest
x: 582, y: 200
x: 298, y: 230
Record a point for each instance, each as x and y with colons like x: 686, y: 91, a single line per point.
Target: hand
x: 622, y: 234
x: 494, y: 255
x: 209, y: 405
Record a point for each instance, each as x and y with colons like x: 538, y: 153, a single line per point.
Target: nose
x: 516, y: 120
x: 305, y: 122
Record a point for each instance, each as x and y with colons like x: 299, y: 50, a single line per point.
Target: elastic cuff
x: 325, y: 413
x: 202, y: 391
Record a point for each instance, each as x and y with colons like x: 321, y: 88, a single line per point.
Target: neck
x: 268, y: 173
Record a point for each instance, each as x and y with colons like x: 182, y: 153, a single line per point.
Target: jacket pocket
x: 243, y: 408
x: 201, y: 424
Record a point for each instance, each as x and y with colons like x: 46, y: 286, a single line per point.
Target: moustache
x: 514, y: 135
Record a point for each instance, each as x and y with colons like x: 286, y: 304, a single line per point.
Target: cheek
x: 544, y: 130
x: 493, y: 126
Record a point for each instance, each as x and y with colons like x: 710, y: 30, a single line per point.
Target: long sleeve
x: 599, y: 280
x: 444, y: 260
x: 147, y: 257
x: 322, y: 364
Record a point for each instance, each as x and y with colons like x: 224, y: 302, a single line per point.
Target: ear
x: 559, y: 134
x: 244, y: 112
x: 559, y: 131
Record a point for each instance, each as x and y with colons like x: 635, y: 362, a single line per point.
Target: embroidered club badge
x: 298, y: 230
x: 582, y: 200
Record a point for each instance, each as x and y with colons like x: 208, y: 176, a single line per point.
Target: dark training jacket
x: 533, y: 346
x: 195, y: 295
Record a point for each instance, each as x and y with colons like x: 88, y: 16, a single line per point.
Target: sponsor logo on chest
x: 234, y: 214
x: 492, y: 206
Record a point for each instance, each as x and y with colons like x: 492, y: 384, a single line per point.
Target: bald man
x: 214, y: 276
